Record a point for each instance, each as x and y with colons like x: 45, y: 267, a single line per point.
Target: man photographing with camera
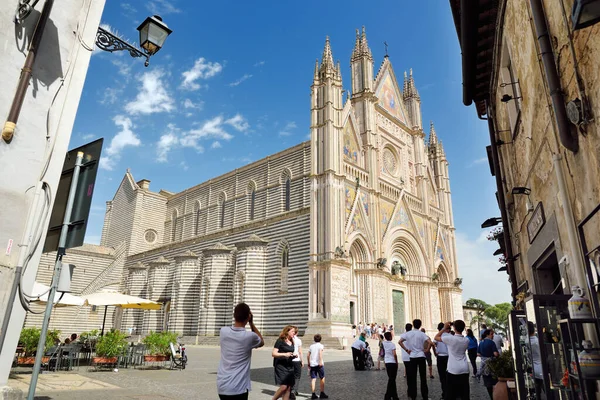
x: 457, y: 376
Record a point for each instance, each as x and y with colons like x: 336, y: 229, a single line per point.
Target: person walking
x: 298, y: 362
x: 405, y: 356
x: 233, y: 374
x: 457, y: 375
x: 283, y: 354
x: 472, y: 351
x: 416, y: 344
x: 316, y: 367
x: 499, y: 340
x: 440, y: 350
x: 487, y: 350
x: 391, y: 367
x: 428, y: 356
x: 483, y: 329
x: 380, y: 352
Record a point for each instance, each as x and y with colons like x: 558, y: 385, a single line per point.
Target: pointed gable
x: 386, y: 90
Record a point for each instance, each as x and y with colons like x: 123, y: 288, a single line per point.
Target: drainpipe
x: 568, y: 140
x: 468, y: 36
x: 572, y: 236
x: 502, y: 204
x: 15, y: 109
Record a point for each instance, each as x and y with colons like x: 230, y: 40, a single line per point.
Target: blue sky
x: 232, y: 85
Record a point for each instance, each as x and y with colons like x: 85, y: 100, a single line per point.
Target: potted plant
x: 109, y: 347
x: 158, y: 347
x: 504, y: 370
x: 29, y: 339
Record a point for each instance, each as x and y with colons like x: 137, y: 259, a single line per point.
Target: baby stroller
x: 369, y: 364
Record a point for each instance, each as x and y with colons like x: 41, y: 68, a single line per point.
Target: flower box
x: 30, y: 360
x: 104, y: 360
x: 156, y: 358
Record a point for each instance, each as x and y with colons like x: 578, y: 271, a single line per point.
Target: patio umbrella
x: 110, y: 298
x: 39, y: 294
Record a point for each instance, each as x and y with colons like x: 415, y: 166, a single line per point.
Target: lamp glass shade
x: 153, y: 33
x: 585, y: 13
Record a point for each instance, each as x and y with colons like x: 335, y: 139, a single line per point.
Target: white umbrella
x: 39, y: 294
x: 111, y: 298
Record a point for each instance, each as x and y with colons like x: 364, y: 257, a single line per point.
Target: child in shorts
x: 316, y: 367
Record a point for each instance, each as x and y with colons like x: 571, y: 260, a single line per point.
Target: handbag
x: 381, y: 351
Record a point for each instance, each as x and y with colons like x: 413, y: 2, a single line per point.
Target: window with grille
x: 287, y: 194
x: 285, y: 254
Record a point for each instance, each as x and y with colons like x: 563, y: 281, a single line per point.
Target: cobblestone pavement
x: 198, y: 380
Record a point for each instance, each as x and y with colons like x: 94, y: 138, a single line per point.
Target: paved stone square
x: 198, y: 381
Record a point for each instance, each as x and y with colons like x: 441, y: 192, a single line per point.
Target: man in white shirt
x: 441, y: 353
x: 499, y: 340
x: 358, y: 349
x: 457, y: 375
x: 233, y: 375
x: 298, y: 363
x: 415, y: 343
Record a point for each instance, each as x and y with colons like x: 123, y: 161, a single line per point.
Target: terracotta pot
x: 30, y: 360
x: 501, y: 389
x: 155, y: 358
x: 104, y: 360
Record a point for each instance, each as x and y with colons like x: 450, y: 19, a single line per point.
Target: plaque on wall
x: 536, y: 222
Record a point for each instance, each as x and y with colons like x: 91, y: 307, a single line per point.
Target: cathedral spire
x: 410, y: 89
x: 327, y: 62
x: 338, y: 71
x: 356, y: 50
x: 316, y: 75
x: 433, y: 140
x: 363, y: 43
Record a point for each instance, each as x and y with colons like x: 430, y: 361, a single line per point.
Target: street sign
x: 83, y: 197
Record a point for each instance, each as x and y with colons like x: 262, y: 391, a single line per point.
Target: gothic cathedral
x: 354, y: 226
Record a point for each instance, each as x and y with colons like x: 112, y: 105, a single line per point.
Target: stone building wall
x: 529, y: 160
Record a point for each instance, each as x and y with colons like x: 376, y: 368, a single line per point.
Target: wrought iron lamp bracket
x: 109, y: 42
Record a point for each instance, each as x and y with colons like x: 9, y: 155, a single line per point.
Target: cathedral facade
x: 352, y: 226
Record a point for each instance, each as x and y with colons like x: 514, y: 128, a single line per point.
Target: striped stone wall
x: 199, y: 208
x: 97, y: 268
x: 229, y: 266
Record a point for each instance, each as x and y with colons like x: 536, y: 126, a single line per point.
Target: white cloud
x: 166, y: 143
x: 478, y: 161
x: 184, y: 165
x: 288, y: 128
x: 259, y: 64
x: 479, y: 270
x: 215, y: 129
x: 202, y: 69
x: 125, y: 137
x: 242, y: 79
x: 162, y: 7
x: 153, y: 96
x: 88, y: 136
x: 110, y: 95
x: 128, y: 8
x: 124, y: 66
x: 238, y: 122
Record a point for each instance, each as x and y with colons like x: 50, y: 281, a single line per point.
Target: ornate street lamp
x: 153, y: 33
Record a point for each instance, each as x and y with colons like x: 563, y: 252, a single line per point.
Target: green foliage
x: 497, y: 317
x: 503, y: 366
x: 30, y: 338
x: 158, y: 342
x: 112, y: 344
x: 89, y: 337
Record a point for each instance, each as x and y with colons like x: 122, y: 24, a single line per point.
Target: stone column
x: 216, y: 294
x: 185, y: 295
x: 137, y: 285
x: 158, y: 290
x: 249, y: 280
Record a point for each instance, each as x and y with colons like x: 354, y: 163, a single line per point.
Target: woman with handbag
x: 381, y: 353
x: 487, y: 351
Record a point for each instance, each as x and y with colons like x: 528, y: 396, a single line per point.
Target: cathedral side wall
x: 150, y: 216
x: 97, y: 267
x: 268, y: 176
x: 281, y: 307
x: 121, y: 215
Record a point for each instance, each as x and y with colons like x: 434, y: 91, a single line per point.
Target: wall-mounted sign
x: 536, y: 222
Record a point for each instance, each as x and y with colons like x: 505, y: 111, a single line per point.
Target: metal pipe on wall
x: 468, y: 36
x: 567, y: 139
x: 15, y: 108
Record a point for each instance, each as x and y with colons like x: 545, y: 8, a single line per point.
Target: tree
x: 497, y: 317
x: 480, y: 306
